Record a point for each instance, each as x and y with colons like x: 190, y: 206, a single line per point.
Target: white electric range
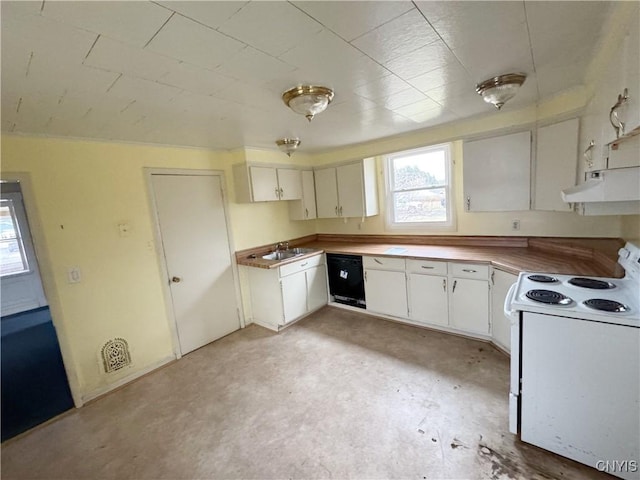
x: 575, y: 365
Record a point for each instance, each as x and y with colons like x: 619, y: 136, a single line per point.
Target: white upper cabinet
x: 556, y: 154
x: 497, y: 173
x: 347, y: 190
x: 305, y: 209
x: 266, y: 183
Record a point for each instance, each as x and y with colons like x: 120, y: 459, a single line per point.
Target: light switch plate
x: 74, y: 275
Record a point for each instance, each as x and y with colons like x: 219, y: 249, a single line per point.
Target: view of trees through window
x: 419, y: 186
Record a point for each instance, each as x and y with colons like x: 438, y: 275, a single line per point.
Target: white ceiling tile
x: 477, y: 22
x: 255, y: 65
x: 400, y: 36
x: 142, y: 91
x: 381, y: 88
x: 256, y: 97
x: 418, y: 108
x: 211, y: 13
x: 136, y: 62
x: 574, y: 25
x: 351, y: 105
x: 272, y: 27
x: 555, y: 78
x: 423, y: 60
x: 354, y: 18
x: 38, y: 34
x: 439, y: 77
x: 188, y: 41
x: 20, y: 8
x: 402, y: 98
x: 129, y: 22
x: 195, y: 79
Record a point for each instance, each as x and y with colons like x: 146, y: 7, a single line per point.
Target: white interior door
x: 193, y: 228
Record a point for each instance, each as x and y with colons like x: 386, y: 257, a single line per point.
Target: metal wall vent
x: 115, y: 355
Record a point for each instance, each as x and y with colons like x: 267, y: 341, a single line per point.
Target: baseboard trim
x: 99, y: 392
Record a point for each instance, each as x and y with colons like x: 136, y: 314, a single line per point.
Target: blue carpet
x: 34, y: 382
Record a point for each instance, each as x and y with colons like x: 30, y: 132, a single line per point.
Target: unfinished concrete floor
x: 338, y: 395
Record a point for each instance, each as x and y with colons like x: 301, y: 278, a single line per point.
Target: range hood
x: 607, y: 192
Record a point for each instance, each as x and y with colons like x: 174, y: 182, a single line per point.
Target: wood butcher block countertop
x: 585, y: 257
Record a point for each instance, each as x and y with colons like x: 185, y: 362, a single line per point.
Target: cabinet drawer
x: 300, y: 265
x: 383, y: 263
x: 428, y: 267
x: 469, y: 270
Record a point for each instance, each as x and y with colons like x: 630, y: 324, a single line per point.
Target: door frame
x: 159, y: 245
x: 47, y: 278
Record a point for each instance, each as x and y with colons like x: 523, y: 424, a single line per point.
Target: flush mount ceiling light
x: 308, y: 100
x: 498, y: 90
x: 288, y: 145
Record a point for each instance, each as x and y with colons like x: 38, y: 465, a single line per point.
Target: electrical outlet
x: 515, y: 225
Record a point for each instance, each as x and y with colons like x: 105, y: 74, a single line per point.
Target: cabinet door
x: 386, y: 292
x: 326, y: 192
x: 497, y: 173
x: 264, y: 184
x: 428, y: 299
x: 290, y: 183
x: 350, y: 190
x: 294, y: 296
x: 469, y: 305
x: 500, y: 325
x: 305, y: 209
x: 556, y: 157
x: 317, y: 295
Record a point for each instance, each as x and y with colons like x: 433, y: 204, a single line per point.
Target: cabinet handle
x: 377, y: 261
x: 493, y: 277
x: 281, y: 193
x: 277, y: 193
x: 340, y: 210
x: 304, y: 264
x: 468, y: 203
x: 365, y: 275
x: 444, y: 284
x: 588, y: 154
x: 427, y: 268
x: 455, y: 282
x: 468, y: 270
x: 336, y: 210
x: 619, y: 128
x: 306, y: 212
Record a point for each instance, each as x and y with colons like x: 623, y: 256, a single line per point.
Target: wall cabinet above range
x: 260, y: 183
x: 348, y: 190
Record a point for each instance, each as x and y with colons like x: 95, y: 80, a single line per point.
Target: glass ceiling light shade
x: 498, y: 90
x: 308, y: 100
x: 288, y: 145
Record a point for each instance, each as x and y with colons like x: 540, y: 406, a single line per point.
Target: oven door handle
x: 508, y: 312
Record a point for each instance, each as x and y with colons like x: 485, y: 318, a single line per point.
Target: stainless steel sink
x: 282, y: 255
x: 290, y: 253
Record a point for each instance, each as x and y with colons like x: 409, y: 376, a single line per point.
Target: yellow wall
x: 532, y: 223
x: 82, y: 191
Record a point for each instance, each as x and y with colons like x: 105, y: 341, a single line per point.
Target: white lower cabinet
x: 469, y: 305
x: 281, y: 295
x: 500, y: 325
x: 429, y: 299
x: 385, y: 286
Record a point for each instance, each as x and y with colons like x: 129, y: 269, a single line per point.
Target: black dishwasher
x: 346, y: 280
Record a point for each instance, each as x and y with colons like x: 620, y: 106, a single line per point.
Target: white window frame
x: 19, y: 219
x: 447, y: 225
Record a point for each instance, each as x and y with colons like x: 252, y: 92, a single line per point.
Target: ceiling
x: 211, y: 74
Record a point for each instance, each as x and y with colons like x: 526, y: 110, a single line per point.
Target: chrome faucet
x: 282, y: 246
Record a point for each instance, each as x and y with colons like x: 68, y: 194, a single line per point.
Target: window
x: 419, y: 188
x: 13, y: 259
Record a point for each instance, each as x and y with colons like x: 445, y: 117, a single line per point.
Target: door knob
x: 176, y: 279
